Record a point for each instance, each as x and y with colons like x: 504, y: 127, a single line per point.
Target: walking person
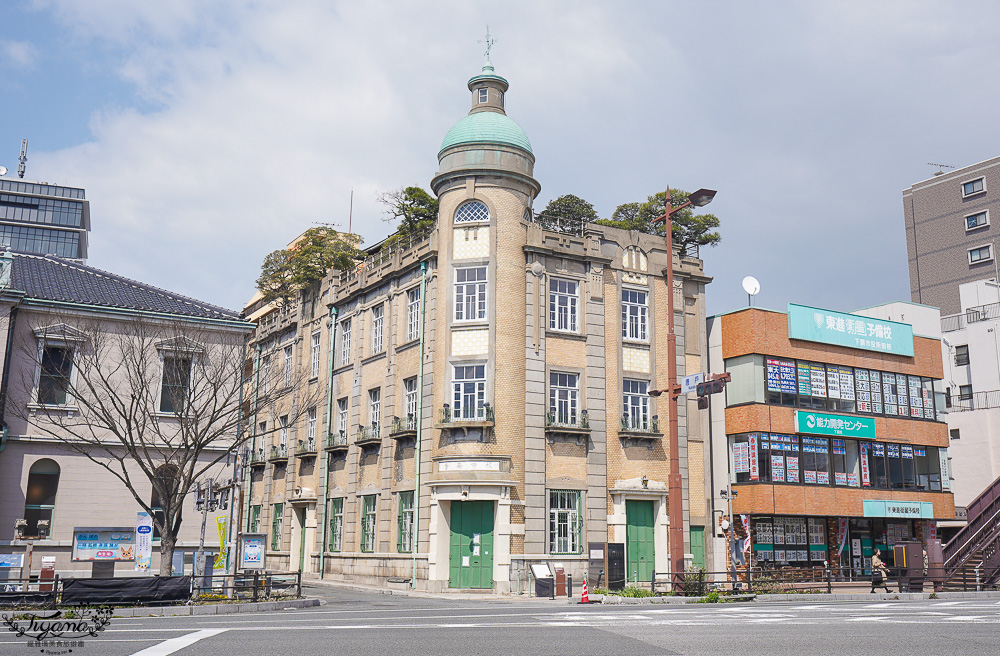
x: 880, y: 573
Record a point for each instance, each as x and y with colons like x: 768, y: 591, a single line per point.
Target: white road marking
x: 175, y: 644
x: 868, y: 618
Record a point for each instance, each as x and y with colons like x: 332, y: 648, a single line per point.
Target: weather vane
x: 489, y: 42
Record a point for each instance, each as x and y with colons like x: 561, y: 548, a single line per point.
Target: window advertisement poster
x: 792, y: 469
x: 104, y: 544
x: 833, y: 382
x: 252, y: 551
x: 754, y: 465
x: 781, y: 375
x: 805, y: 378
x: 823, y: 477
x: 778, y: 468
x: 851, y: 330
x: 143, y: 541
x: 741, y: 457
x: 875, y: 381
x: 846, y: 375
x: 863, y: 391
x: 866, y: 476
x: 817, y: 379
x: 945, y: 472
x: 928, y: 404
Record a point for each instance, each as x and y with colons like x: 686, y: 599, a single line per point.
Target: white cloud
x: 258, y: 118
x: 18, y: 54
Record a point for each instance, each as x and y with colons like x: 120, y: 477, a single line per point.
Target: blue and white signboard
x: 850, y: 330
x: 252, y: 547
x: 12, y: 560
x: 143, y: 541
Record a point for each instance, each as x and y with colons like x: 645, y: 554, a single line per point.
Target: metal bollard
x: 569, y: 586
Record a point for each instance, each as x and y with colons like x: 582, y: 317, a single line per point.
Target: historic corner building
x: 834, y: 446
x: 486, y: 390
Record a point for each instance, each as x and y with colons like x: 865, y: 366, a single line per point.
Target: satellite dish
x: 752, y: 287
x: 3, y: 170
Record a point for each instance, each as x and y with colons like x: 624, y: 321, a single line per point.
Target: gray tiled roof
x: 52, y: 278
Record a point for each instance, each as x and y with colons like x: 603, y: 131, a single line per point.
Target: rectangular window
x: 276, y: 519
x: 563, y: 398
x: 484, y: 96
x: 635, y: 315
x: 965, y: 392
x: 253, y: 522
x: 289, y: 358
x: 815, y: 460
x: 469, y: 391
x: 413, y: 314
x: 973, y: 187
x: 265, y: 373
x: 635, y: 404
x: 342, y: 416
x: 176, y: 377
x: 368, y: 523
x: 345, y: 341
x: 962, y: 355
x: 314, y: 351
x: 311, y: 426
x: 378, y: 313
x: 565, y: 522
x: 977, y: 220
x: 283, y: 422
x: 336, y: 518
x: 404, y: 537
x: 470, y: 294
x: 563, y: 304
x: 410, y: 399
x: 375, y: 409
x: 980, y: 254
x: 53, y: 381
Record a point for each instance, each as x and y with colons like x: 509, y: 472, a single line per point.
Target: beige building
x: 65, y: 327
x: 476, y: 397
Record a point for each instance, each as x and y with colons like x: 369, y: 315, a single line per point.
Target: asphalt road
x: 364, y: 623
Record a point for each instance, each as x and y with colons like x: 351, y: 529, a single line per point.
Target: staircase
x: 975, y: 550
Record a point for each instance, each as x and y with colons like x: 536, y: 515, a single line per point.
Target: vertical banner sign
x: 220, y: 559
x: 866, y: 479
x: 746, y: 527
x: 143, y: 541
x: 754, y: 465
x: 945, y: 473
x: 842, y: 534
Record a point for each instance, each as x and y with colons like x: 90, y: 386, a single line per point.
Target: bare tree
x: 149, y: 400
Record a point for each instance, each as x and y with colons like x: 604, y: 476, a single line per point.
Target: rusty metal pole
x: 675, y: 507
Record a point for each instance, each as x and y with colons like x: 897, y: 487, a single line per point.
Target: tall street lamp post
x: 675, y: 507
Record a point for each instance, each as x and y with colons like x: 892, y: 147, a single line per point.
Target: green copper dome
x: 486, y: 128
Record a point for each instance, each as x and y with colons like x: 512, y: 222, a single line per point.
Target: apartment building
x: 829, y: 433
x: 949, y: 233
x: 483, y: 390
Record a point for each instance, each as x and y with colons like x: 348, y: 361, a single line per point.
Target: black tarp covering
x: 11, y: 599
x: 145, y: 590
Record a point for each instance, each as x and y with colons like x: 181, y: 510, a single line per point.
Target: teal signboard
x: 905, y: 509
x: 850, y: 330
x: 820, y: 423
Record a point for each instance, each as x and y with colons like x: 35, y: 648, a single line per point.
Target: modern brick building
x: 949, y: 233
x: 829, y: 434
x: 484, y: 390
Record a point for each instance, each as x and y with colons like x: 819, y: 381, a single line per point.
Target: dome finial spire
x: 489, y: 41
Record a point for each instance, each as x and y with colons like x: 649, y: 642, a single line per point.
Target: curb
x: 216, y: 609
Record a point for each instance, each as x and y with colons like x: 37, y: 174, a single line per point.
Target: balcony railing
x: 367, y: 434
x: 257, y: 457
x: 385, y: 254
x: 639, y: 425
x: 336, y: 440
x: 306, y: 447
x: 404, y: 425
x: 974, y: 401
x: 560, y: 420
x: 975, y: 314
x: 465, y: 414
x: 279, y: 452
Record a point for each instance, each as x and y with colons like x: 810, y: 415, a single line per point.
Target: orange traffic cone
x: 584, y: 599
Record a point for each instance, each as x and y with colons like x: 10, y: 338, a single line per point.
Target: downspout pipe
x: 325, y: 468
x: 420, y: 421
x: 253, y: 427
x: 5, y: 381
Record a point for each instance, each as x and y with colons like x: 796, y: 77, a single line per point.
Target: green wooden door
x: 698, y: 546
x: 302, y: 539
x: 639, y: 540
x: 471, y: 561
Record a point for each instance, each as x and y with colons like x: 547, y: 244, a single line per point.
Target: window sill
x: 408, y: 345
x: 47, y: 407
x: 565, y: 334
x: 373, y: 358
x: 626, y: 341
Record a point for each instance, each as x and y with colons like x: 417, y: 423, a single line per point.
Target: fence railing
x: 974, y: 401
x: 466, y: 413
x: 249, y: 586
x: 306, y: 446
x: 278, y: 451
x: 567, y: 420
x: 975, y: 314
x: 404, y: 424
x: 335, y: 439
x: 640, y: 424
x: 385, y: 254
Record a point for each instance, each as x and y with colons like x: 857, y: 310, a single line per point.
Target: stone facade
x: 518, y: 404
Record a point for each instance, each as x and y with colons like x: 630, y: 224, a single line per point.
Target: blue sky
x: 209, y: 134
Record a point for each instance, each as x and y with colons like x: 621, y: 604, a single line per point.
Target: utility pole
x: 211, y: 496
